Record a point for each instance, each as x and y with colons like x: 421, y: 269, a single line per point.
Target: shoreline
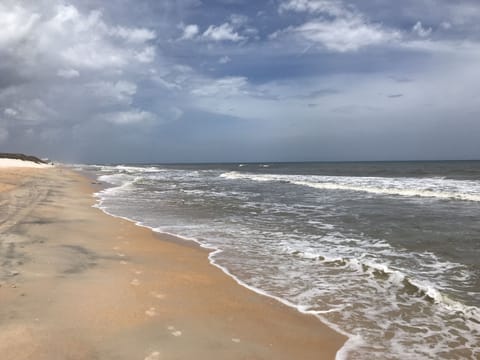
x: 160, y: 291
x: 212, y: 251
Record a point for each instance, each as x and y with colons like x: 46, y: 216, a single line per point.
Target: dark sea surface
x: 386, y: 253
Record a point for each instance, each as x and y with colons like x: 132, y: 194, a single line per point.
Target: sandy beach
x: 76, y: 283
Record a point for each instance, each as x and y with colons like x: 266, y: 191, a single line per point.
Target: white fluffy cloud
x: 344, y: 35
x: 42, y: 46
x: 224, y: 32
x: 189, y: 31
x: 89, y: 42
x: 133, y: 35
x: 132, y: 117
x: 10, y: 112
x: 228, y: 31
x: 16, y: 24
x: 420, y: 30
x: 330, y: 7
x: 67, y: 36
x: 335, y: 27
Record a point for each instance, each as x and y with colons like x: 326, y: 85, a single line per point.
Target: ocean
x: 387, y: 253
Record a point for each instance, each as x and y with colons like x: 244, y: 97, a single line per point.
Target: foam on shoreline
x: 352, y: 340
x: 372, y: 270
x: 150, y: 295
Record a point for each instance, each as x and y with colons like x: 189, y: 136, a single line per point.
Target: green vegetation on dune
x: 22, y: 157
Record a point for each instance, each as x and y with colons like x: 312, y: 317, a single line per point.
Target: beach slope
x: 76, y: 283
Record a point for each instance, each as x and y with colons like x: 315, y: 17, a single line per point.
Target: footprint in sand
x: 116, y: 248
x: 157, y: 295
x: 137, y: 272
x: 153, y: 356
x: 121, y: 255
x: 123, y: 262
x: 151, y: 312
x: 174, y: 332
x: 135, y: 282
x: 235, y: 340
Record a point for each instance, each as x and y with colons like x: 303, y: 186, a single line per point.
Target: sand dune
x: 7, y: 163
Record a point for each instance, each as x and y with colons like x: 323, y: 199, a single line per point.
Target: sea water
x: 385, y: 253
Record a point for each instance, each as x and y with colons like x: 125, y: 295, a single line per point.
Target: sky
x: 237, y: 80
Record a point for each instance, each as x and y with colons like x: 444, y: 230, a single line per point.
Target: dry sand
x: 79, y: 284
x: 16, y: 163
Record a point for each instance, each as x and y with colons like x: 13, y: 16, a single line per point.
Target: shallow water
x: 387, y: 253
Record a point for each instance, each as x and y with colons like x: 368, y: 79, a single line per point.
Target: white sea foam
x: 410, y: 187
x: 138, y: 169
x: 395, y: 277
x: 344, y: 262
x: 117, y: 179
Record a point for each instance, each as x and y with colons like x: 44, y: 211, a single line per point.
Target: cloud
x: 146, y: 55
x: 445, y: 25
x: 79, y: 76
x: 420, y: 30
x: 329, y: 7
x: 238, y: 20
x: 463, y: 13
x: 224, y: 32
x: 119, y: 92
x: 336, y: 28
x: 10, y: 112
x: 34, y: 111
x: 16, y: 24
x: 225, y: 87
x: 224, y: 59
x: 133, y: 35
x: 42, y: 45
x: 341, y: 35
x: 66, y: 35
x: 68, y: 73
x: 88, y: 40
x: 132, y: 117
x: 189, y: 31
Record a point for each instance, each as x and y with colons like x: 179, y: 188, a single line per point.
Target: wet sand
x: 76, y: 283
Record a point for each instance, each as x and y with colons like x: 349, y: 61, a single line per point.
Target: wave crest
x: 439, y: 188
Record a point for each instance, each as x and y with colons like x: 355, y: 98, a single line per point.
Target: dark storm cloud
x: 236, y: 80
